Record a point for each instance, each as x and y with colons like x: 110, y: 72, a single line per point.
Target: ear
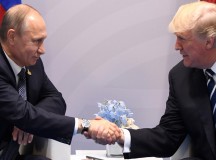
x: 11, y: 36
x: 210, y: 41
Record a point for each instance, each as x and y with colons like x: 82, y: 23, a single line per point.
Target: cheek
x: 196, y: 55
x: 31, y: 50
x: 190, y: 49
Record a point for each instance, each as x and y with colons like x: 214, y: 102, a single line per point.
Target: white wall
x: 110, y: 49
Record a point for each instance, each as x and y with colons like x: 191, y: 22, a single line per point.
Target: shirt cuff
x: 127, y: 141
x: 76, y: 126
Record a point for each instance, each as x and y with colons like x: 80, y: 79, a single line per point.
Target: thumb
x: 98, y: 118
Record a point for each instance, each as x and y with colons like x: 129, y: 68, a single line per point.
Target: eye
x: 181, y: 38
x: 38, y: 41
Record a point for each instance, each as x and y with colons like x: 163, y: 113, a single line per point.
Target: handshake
x: 102, y: 131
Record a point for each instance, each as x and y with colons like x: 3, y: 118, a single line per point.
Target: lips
x: 35, y: 59
x: 183, y: 54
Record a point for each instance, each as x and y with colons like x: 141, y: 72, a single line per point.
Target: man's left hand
x: 21, y: 137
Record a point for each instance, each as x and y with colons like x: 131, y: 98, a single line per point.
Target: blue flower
x: 115, y: 111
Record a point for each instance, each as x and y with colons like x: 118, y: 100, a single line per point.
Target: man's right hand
x: 103, y: 131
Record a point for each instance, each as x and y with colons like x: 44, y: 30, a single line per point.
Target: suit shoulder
x: 178, y: 67
x: 180, y: 70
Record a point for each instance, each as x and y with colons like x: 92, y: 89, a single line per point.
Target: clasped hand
x: 21, y: 137
x: 103, y: 131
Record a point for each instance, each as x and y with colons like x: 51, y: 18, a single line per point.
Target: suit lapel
x: 6, y: 66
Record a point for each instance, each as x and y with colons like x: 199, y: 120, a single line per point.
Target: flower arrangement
x: 116, y: 112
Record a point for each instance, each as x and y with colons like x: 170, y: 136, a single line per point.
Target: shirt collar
x: 16, y: 69
x: 213, y: 68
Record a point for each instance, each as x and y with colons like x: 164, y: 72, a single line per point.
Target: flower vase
x: 114, y: 150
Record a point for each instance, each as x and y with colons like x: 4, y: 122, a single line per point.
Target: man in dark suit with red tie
x: 188, y: 108
x: 22, y: 36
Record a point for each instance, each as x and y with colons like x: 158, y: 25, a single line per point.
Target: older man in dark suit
x: 190, y: 108
x: 36, y: 106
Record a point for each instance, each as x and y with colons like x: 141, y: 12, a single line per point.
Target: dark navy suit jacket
x: 188, y: 112
x: 40, y: 114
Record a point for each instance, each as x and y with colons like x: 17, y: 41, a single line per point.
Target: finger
x: 87, y: 135
x: 101, y: 141
x: 93, y: 130
x: 93, y: 134
x: 30, y: 138
x: 114, y: 130
x: 98, y: 118
x: 15, y: 133
x: 114, y: 127
x: 101, y: 132
x: 114, y: 136
x: 25, y: 138
x: 20, y: 136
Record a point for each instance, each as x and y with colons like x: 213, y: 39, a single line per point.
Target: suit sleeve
x: 164, y: 139
x: 42, y: 93
x: 29, y: 118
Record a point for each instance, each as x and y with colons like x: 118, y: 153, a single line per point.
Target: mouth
x: 184, y: 55
x: 35, y: 58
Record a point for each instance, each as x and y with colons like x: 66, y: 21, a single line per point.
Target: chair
x: 184, y: 150
x: 47, y: 147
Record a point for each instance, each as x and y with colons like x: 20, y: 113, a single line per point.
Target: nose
x: 178, y: 45
x: 41, y: 49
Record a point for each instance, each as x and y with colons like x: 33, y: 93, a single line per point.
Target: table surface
x: 101, y: 154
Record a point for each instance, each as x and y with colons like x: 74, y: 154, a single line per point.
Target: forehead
x: 186, y: 34
x: 34, y: 24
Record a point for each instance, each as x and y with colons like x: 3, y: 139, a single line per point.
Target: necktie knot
x: 21, y: 74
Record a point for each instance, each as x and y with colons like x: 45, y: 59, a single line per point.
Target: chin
x: 33, y: 63
x: 186, y: 64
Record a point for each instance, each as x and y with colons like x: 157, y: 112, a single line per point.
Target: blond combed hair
x: 198, y: 17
